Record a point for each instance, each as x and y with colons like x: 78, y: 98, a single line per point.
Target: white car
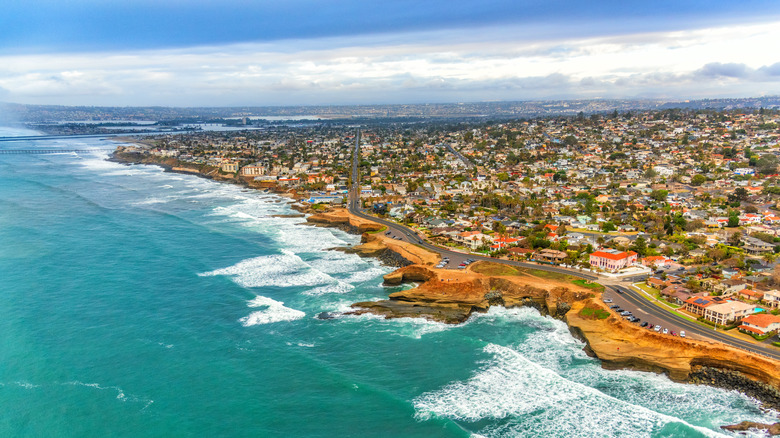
x: 682, y: 334
x: 657, y: 328
x: 666, y: 331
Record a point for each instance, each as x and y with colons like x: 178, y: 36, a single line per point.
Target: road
x: 631, y: 300
x: 618, y: 291
x: 466, y: 162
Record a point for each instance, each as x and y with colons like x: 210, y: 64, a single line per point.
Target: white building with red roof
x: 760, y: 324
x: 612, y: 259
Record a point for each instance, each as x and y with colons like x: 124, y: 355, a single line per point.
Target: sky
x: 334, y: 52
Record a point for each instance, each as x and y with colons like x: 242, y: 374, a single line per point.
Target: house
x: 656, y: 261
x: 772, y: 298
x: 760, y: 324
x: 520, y: 251
x: 731, y: 286
x: 230, y: 167
x: 698, y: 305
x: 728, y: 312
x: 750, y: 295
x: 612, y: 259
x: 550, y: 256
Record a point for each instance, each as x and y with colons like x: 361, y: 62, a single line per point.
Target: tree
x: 739, y: 195
x: 735, y: 239
x: 716, y: 254
x: 659, y: 195
x: 570, y: 140
x: 608, y: 226
x: 767, y: 164
x: 698, y: 180
x: 733, y: 219
x: 503, y: 176
x: 639, y: 246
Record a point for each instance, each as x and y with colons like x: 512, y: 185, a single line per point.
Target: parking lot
x: 612, y: 298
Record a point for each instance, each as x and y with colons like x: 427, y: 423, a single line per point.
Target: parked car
x: 673, y: 333
x: 614, y: 306
x: 682, y: 333
x: 644, y: 324
x: 658, y: 328
x: 607, y: 300
x: 666, y: 331
x: 625, y: 313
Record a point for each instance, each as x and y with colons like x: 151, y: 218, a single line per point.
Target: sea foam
x: 273, y: 311
x: 524, y: 399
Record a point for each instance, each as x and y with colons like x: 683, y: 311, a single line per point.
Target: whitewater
x: 138, y: 302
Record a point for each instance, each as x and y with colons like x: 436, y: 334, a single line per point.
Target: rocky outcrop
x: 342, y: 220
x: 772, y: 429
x: 452, y: 297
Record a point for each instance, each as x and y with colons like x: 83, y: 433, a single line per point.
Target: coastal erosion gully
x: 626, y: 298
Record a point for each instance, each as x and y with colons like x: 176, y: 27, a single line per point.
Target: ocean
x: 141, y: 303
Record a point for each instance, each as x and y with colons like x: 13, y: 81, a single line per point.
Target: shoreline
x: 615, y: 343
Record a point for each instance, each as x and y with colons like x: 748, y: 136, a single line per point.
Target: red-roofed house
x: 612, y: 259
x: 654, y: 261
x: 760, y: 324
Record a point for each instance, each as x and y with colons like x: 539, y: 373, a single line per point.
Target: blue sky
x: 294, y: 52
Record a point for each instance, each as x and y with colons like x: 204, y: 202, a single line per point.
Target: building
x: 612, y: 259
x: 760, y: 324
x: 730, y: 311
x: 772, y: 298
x: 230, y: 167
x: 550, y: 256
x: 698, y: 305
x: 252, y: 170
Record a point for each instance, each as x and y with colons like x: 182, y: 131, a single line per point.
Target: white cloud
x: 439, y: 66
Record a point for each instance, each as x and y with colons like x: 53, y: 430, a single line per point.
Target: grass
x: 594, y: 313
x: 549, y: 274
x: 495, y: 269
x: 589, y: 285
x: 384, y: 228
x: 776, y: 344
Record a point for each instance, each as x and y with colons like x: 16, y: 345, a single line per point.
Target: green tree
x: 608, y: 226
x: 659, y: 195
x: 698, y: 180
x: 639, y: 246
x: 733, y: 219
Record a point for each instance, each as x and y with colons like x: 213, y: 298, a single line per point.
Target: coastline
x: 452, y: 296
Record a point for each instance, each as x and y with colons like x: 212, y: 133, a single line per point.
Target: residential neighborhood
x: 688, y: 196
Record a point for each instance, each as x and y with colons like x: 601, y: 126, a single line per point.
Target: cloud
x: 438, y: 66
x: 730, y: 70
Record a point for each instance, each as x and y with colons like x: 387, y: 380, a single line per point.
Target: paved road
x: 631, y: 300
x: 460, y: 156
x: 627, y: 298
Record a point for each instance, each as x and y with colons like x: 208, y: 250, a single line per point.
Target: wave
x: 520, y: 398
x: 274, y: 311
x: 282, y: 270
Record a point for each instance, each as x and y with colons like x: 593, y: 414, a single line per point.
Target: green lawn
x: 384, y: 228
x: 548, y: 274
x: 589, y: 285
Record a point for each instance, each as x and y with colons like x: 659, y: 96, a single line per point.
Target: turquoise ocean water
x: 139, y: 303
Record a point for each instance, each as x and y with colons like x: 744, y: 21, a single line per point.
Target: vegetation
x: 594, y: 313
x: 589, y: 285
x: 494, y: 269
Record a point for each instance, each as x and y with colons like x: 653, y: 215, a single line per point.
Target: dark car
x: 644, y: 324
x: 614, y: 306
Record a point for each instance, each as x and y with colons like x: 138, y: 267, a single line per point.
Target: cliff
x: 622, y: 345
x: 373, y: 242
x: 452, y: 296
